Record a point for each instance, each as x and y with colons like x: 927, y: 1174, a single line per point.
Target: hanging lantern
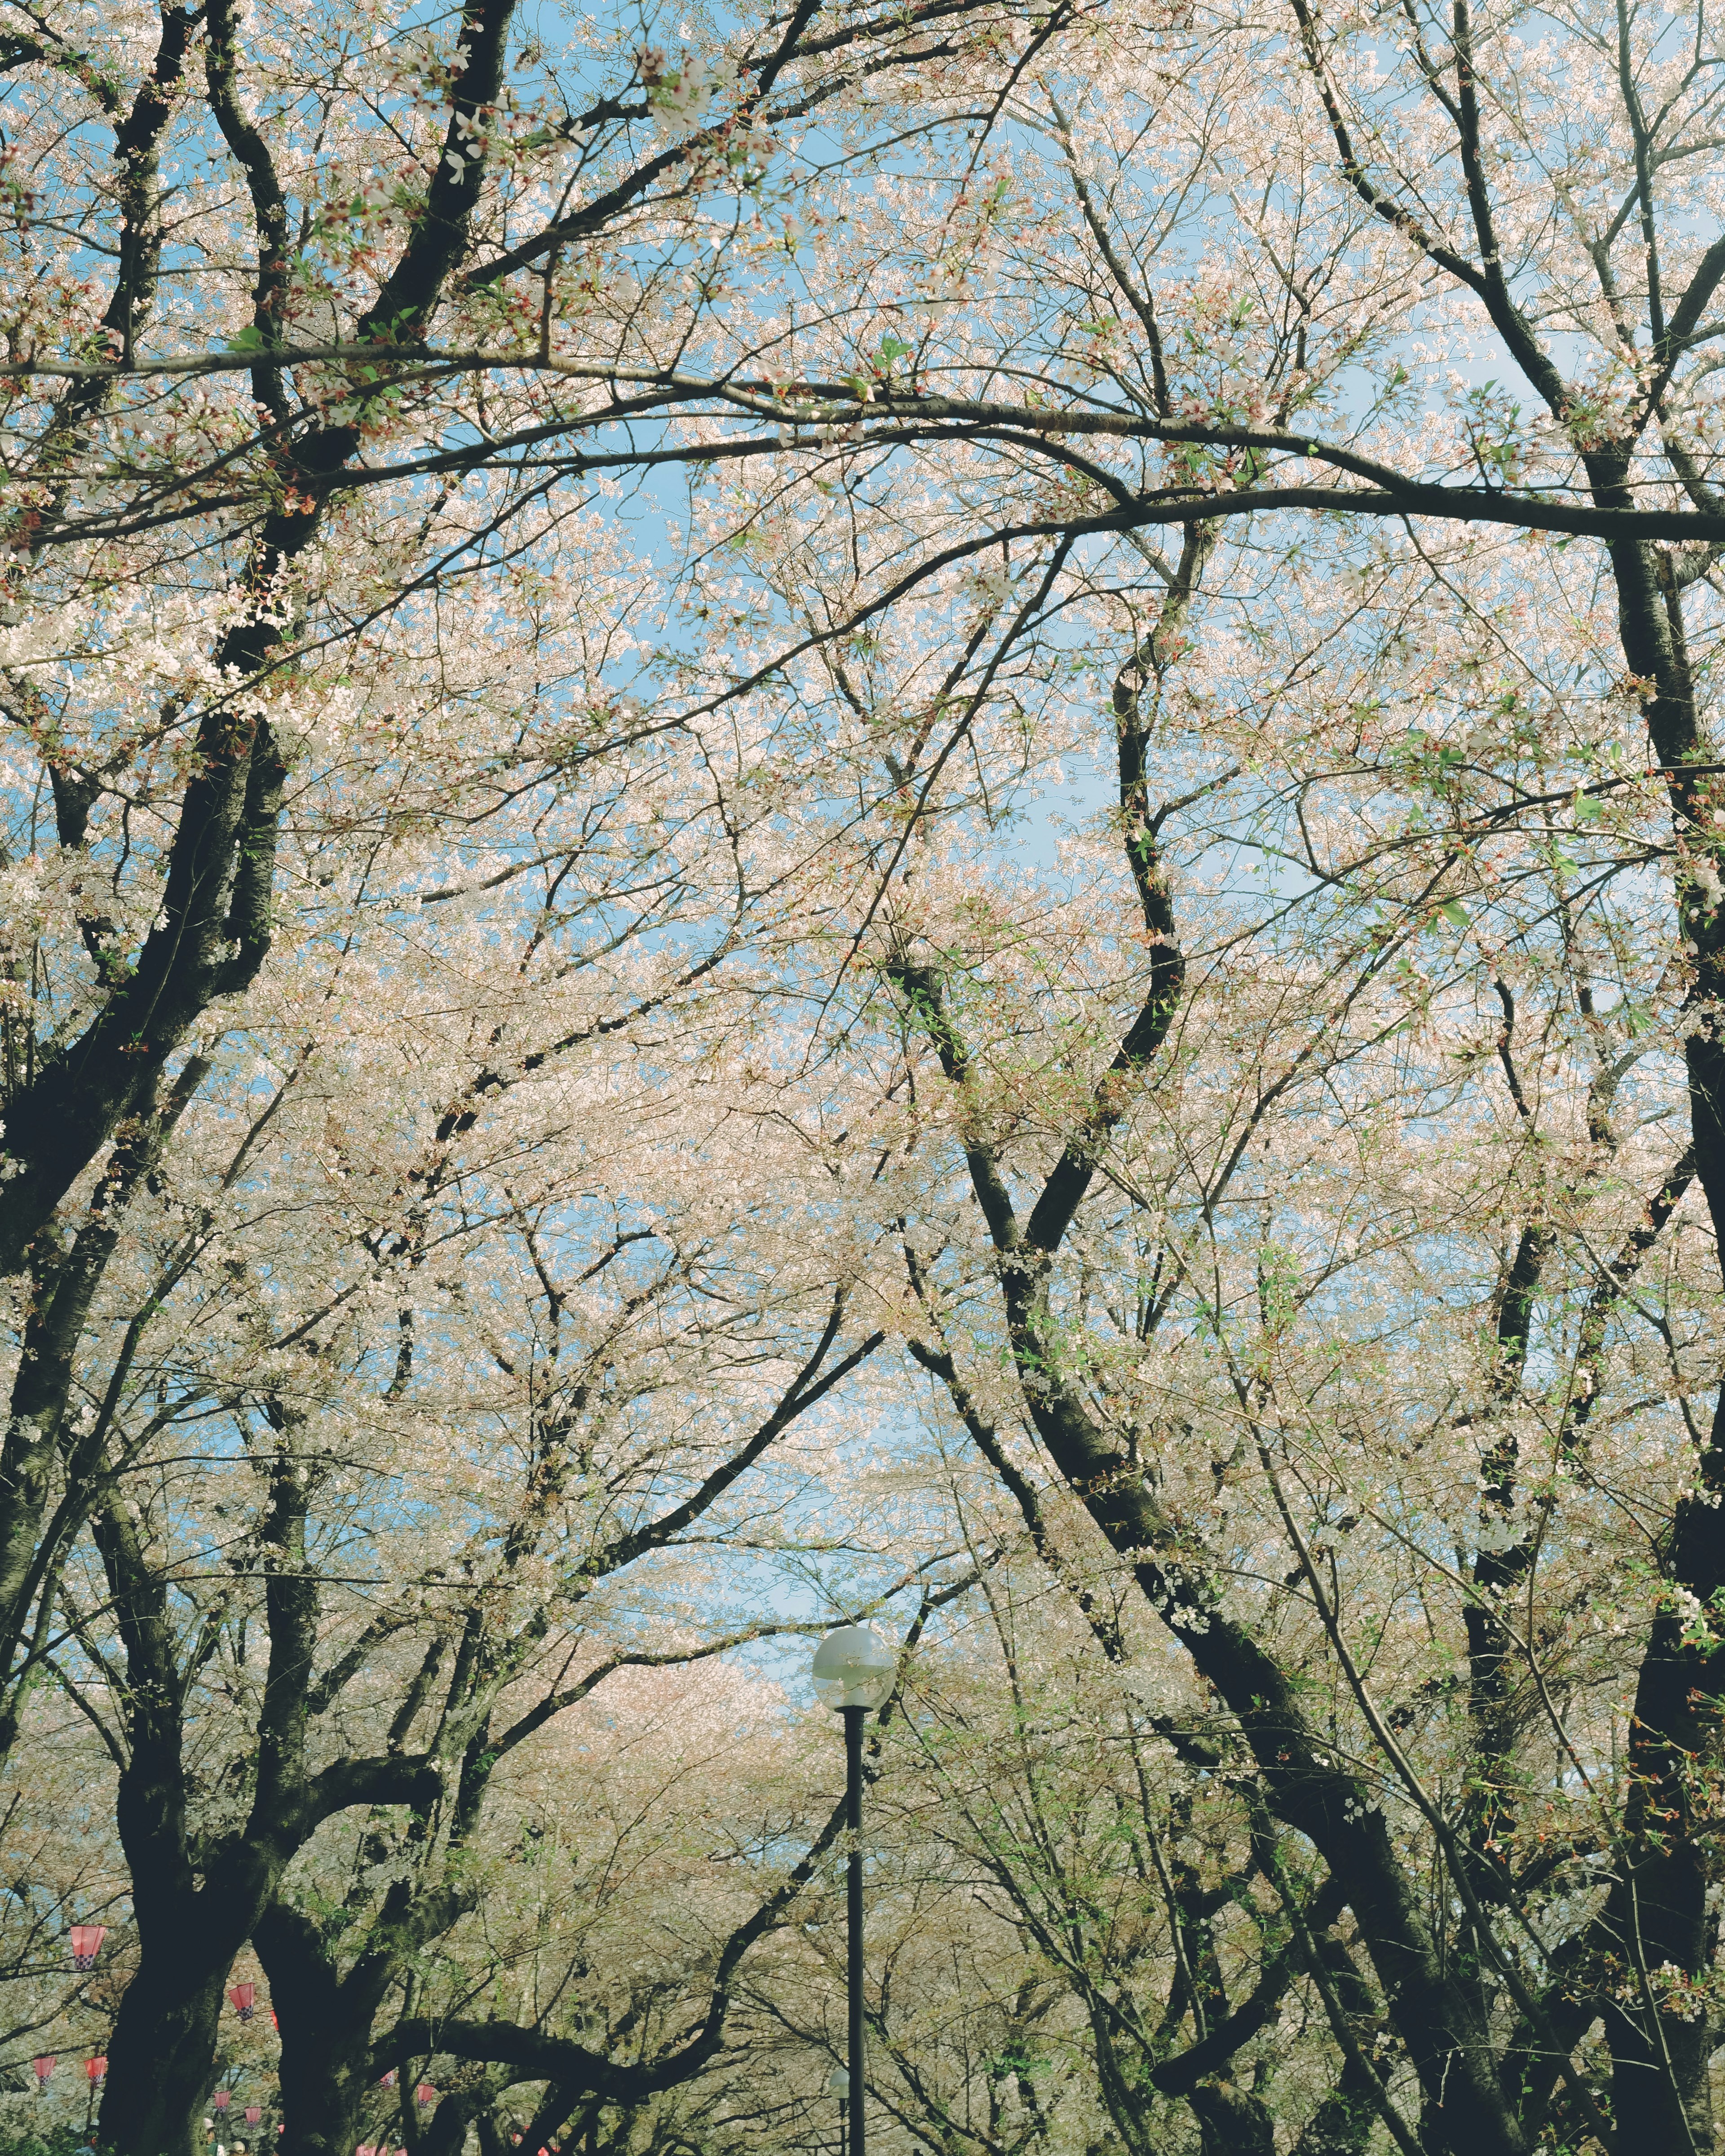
x: 254, y: 2113
x: 425, y: 2093
x: 365, y: 2149
x: 42, y: 2068
x: 87, y: 1945
x: 222, y: 2099
x: 95, y: 2068
x: 387, y: 2080
x: 243, y: 1996
x: 274, y: 2023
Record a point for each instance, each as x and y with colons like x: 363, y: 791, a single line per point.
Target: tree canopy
x: 909, y: 813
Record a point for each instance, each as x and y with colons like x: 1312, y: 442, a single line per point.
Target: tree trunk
x: 161, y: 2052
x: 1232, y: 2120
x: 159, y: 2055
x: 325, y: 2043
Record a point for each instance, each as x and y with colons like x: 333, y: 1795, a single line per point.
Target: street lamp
x: 853, y: 1671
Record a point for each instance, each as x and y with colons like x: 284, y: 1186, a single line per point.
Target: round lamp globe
x: 853, y: 1667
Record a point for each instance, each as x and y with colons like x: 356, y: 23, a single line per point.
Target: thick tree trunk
x: 1664, y: 1939
x: 325, y: 2042
x: 1659, y: 2021
x: 161, y: 2053
x: 164, y: 2040
x: 161, y: 2056
x: 1232, y: 2120
x: 162, y: 2049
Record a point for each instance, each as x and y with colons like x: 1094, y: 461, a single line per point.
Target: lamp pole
x: 854, y: 1913
x: 854, y: 1671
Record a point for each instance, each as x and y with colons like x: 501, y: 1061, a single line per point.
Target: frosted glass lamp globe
x: 853, y: 1667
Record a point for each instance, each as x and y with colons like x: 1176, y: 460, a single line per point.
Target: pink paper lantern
x: 42, y: 2067
x: 388, y: 2080
x: 95, y: 2068
x: 222, y: 2099
x: 254, y: 2113
x: 425, y: 2093
x: 243, y: 1996
x: 87, y: 1945
x: 365, y: 2148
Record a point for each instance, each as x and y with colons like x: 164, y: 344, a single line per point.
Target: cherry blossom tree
x: 201, y: 541
x: 1532, y: 775
x: 506, y: 1014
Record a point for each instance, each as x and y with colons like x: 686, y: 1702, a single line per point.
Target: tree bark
x: 189, y: 1929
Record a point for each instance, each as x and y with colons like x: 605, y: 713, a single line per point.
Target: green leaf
x: 250, y: 339
x: 1455, y: 912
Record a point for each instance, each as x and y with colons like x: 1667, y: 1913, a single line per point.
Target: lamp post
x: 853, y: 1672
